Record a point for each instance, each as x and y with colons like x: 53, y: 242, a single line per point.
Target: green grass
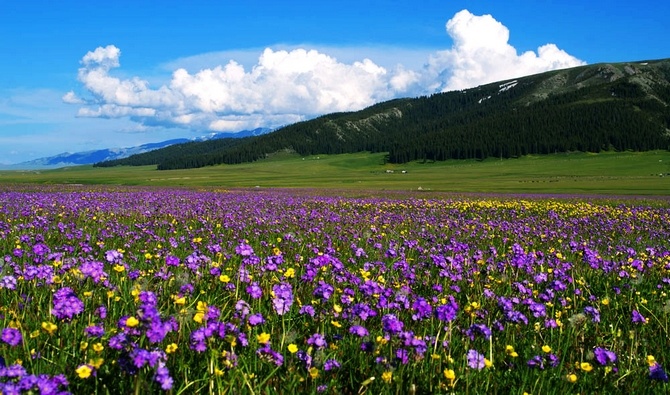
x: 619, y: 173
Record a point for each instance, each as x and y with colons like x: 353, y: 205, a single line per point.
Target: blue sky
x: 77, y: 76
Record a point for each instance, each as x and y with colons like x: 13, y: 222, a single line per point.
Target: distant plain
x: 608, y: 173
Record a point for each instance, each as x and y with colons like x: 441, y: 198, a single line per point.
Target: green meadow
x: 609, y: 173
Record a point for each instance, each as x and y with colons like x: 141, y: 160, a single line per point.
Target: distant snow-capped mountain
x: 95, y: 156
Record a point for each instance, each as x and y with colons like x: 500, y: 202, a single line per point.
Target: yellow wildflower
x: 263, y: 338
x: 132, y: 322
x: 171, y: 348
x: 84, y: 371
x: 199, y: 317
x: 387, y: 376
x: 651, y: 360
x: 292, y: 348
x: 96, y: 363
x: 509, y: 350
x: 49, y: 327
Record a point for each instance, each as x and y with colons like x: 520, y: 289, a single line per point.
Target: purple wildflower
x: 331, y: 364
x: 537, y: 309
x: 41, y: 250
x: 94, y: 270
x: 307, y: 309
x: 15, y: 370
x: 66, y: 304
x: 305, y: 358
x: 447, y: 312
x: 552, y: 360
x: 283, y: 298
x: 604, y: 356
x: 118, y: 341
x: 478, y: 329
x: 113, y: 256
x: 11, y: 336
x: 536, y: 362
x: 656, y: 372
x: 101, y: 312
x: 256, y: 319
x: 148, y: 298
x: 186, y: 289
x: 593, y: 312
x: 392, y: 324
x: 363, y: 311
x: 323, y: 290
x: 243, y: 308
x: 358, y: 331
x: 638, y: 318
x: 254, y: 290
x: 171, y: 260
x: 270, y: 354
x: 8, y: 282
x: 163, y: 377
x: 244, y: 250
x: 212, y: 313
x: 94, y: 331
x: 476, y: 360
x: 317, y: 340
x: 157, y: 331
x: 422, y: 309
x: 402, y: 355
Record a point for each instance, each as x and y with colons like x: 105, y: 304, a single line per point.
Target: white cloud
x: 481, y: 54
x: 71, y: 98
x: 283, y: 86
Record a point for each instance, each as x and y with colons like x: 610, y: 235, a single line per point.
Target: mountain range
x: 593, y: 108
x: 108, y: 154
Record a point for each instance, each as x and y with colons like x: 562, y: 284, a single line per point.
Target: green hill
x: 601, y: 107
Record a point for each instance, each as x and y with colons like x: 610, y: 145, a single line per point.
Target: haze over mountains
x: 608, y: 106
x: 107, y: 154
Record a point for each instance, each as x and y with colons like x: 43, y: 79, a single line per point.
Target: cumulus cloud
x: 482, y: 54
x: 283, y: 87
x: 286, y: 86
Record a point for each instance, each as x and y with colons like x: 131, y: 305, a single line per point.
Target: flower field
x: 138, y: 290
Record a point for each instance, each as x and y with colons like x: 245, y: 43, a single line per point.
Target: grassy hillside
x: 594, y: 108
x: 609, y: 173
